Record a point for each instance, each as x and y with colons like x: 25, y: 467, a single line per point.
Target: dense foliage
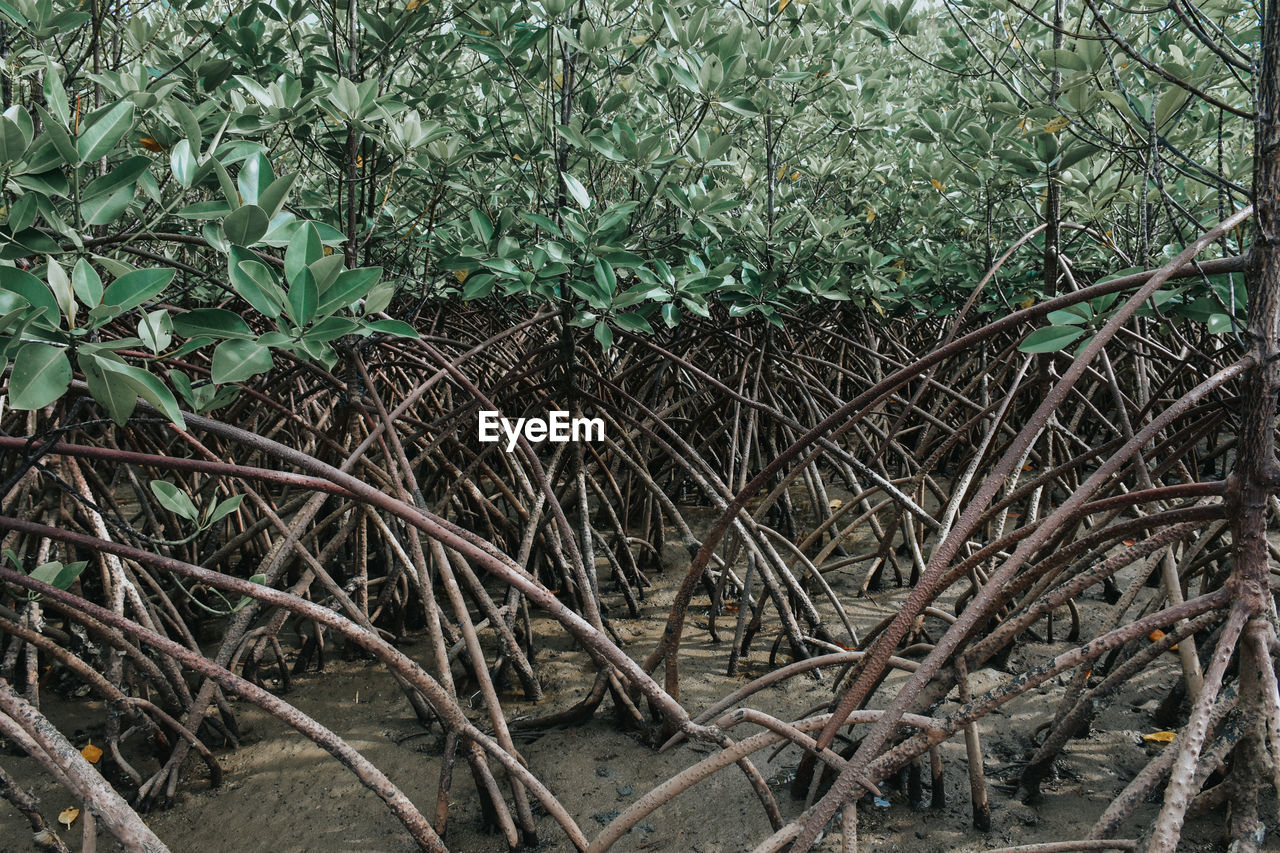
x: 634, y: 161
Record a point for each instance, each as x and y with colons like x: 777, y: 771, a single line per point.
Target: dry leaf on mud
x: 92, y: 754
x: 835, y: 504
x: 1160, y: 737
x: 68, y: 816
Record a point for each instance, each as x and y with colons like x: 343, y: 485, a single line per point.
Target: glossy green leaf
x: 133, y: 289
x: 245, y: 225
x: 303, y: 298
x: 349, y: 286
x: 304, y: 249
x: 41, y: 374
x: 86, y: 283
x: 174, y: 499
x: 577, y: 190
x: 213, y: 322
x: 236, y: 361
x: 148, y: 387
x: 105, y: 131
x: 1050, y: 339
x: 57, y: 575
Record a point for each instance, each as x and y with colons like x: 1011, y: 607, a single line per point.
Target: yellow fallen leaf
x: 92, y: 754
x: 1028, y: 302
x: 835, y: 503
x: 871, y: 213
x: 1160, y: 737
x: 68, y: 816
x: 795, y: 176
x: 1056, y: 124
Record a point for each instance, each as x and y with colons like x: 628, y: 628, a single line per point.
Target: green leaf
x: 633, y: 323
x: 174, y: 499
x: 1063, y: 59
x: 326, y: 270
x: 542, y: 222
x: 113, y: 392
x: 1169, y: 104
x: 245, y: 225
x: 58, y: 135
x: 1073, y: 316
x: 329, y: 329
x: 604, y: 335
x: 577, y: 190
x: 255, y: 283
x: 481, y: 226
x: 126, y: 174
x: 304, y: 249
x: 1049, y: 339
x: 148, y: 388
x: 1220, y: 323
x: 742, y: 106
x: 61, y: 287
x: 254, y: 178
x: 12, y: 143
x: 182, y: 160
x: 55, y: 93
x: 605, y: 277
x: 236, y: 361
x: 222, y: 509
x: 156, y: 330
x: 379, y: 297
x: 274, y: 196
x: 41, y: 374
x: 396, y: 328
x: 214, y: 322
x: 303, y: 298
x: 86, y: 282
x: 29, y: 288
x: 204, y: 210
x: 99, y: 137
x: 56, y: 575
x: 103, y: 209
x: 347, y: 288
x: 133, y: 289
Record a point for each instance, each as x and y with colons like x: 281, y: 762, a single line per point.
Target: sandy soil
x: 282, y: 793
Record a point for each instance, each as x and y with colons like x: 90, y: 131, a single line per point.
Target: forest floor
x: 282, y: 793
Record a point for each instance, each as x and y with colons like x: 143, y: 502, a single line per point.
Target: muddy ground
x: 282, y: 793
